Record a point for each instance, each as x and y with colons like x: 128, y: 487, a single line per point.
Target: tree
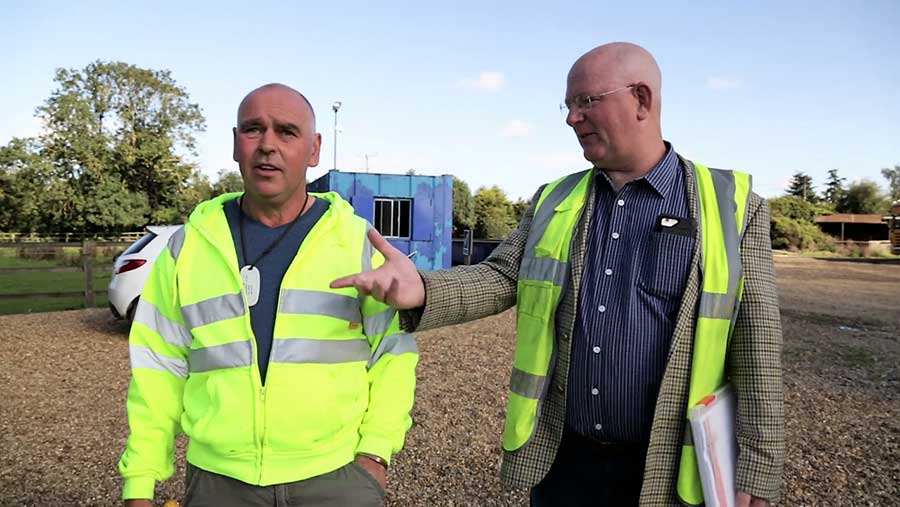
x: 463, y: 207
x: 519, y: 208
x: 495, y: 217
x: 864, y: 197
x: 834, y: 188
x: 802, y: 187
x: 110, y: 157
x: 893, y: 177
x: 227, y: 182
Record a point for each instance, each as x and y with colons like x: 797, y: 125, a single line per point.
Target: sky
x: 473, y: 88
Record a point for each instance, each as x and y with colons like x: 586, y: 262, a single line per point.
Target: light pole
x: 335, y: 107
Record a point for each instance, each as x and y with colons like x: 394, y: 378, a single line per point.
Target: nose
x: 574, y: 116
x: 266, y: 142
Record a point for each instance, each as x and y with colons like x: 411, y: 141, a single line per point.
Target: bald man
x: 642, y: 285
x: 290, y: 392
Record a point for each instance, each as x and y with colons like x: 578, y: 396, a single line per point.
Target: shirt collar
x: 661, y: 178
x: 664, y: 174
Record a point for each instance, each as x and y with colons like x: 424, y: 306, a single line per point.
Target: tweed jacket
x: 754, y: 365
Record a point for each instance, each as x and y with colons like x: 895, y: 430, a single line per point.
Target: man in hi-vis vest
x: 641, y: 285
x: 290, y: 392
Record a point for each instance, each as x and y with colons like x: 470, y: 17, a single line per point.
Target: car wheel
x: 131, y: 309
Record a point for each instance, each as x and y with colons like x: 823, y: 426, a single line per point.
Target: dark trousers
x: 589, y: 473
x: 350, y: 485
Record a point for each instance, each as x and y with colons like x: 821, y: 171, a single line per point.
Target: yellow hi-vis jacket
x: 544, y: 273
x: 341, y: 375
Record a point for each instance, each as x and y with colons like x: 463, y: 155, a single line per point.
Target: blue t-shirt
x: 272, y: 266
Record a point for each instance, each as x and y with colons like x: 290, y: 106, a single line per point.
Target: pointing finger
x: 382, y: 245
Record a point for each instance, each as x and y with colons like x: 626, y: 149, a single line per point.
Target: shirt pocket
x: 666, y: 264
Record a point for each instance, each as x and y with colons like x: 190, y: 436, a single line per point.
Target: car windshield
x: 140, y: 244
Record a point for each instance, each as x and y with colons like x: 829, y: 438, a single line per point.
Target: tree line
x: 114, y: 156
x: 793, y: 215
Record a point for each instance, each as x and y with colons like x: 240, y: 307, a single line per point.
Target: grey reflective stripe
x: 218, y: 357
x: 176, y: 241
x: 172, y: 332
x: 367, y: 252
x: 212, y: 310
x: 716, y: 306
x: 688, y: 435
x: 747, y: 205
x: 527, y: 385
x: 723, y: 182
x: 312, y: 302
x: 309, y: 350
x: 545, y: 269
x: 379, y: 323
x: 546, y: 211
x: 142, y: 357
x: 395, y: 344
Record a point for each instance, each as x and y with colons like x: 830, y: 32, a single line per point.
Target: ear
x: 234, y: 145
x: 645, y: 99
x: 316, y: 149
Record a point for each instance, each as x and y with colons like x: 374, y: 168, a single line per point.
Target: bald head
x: 280, y: 89
x: 621, y: 64
x: 613, y: 100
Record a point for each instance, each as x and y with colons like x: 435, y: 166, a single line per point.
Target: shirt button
x: 608, y: 271
x: 595, y: 391
x: 598, y: 426
x: 621, y: 202
x: 596, y: 350
x: 602, y: 308
x: 615, y: 235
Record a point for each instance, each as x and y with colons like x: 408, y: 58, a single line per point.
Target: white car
x: 132, y: 267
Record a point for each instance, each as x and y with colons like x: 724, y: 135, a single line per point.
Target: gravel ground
x: 62, y: 413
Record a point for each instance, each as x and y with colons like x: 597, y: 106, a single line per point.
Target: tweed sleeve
x: 466, y: 293
x: 755, y: 364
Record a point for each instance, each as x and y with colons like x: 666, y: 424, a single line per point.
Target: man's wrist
x: 377, y: 459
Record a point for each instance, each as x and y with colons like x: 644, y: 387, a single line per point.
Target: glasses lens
x: 563, y: 108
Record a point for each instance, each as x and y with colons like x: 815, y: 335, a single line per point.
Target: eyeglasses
x: 585, y: 102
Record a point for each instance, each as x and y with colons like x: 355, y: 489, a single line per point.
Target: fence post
x: 87, y: 263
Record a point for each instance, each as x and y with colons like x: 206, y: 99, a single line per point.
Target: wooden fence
x: 88, y: 267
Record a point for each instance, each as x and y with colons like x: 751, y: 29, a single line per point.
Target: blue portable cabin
x: 415, y: 213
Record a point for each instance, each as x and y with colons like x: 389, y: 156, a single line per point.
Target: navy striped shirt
x: 639, y: 251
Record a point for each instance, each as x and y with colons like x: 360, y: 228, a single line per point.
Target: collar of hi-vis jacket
x: 209, y: 217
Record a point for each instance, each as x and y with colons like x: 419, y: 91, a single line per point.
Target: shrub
x: 792, y: 234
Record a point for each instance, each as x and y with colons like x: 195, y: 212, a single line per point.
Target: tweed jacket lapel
x: 667, y: 431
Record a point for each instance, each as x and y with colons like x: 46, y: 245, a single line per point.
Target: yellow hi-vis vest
x: 341, y: 374
x: 544, y: 273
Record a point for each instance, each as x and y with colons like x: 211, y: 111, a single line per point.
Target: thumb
x: 382, y: 245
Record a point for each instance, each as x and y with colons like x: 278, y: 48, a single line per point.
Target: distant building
x: 414, y: 212
x: 847, y: 226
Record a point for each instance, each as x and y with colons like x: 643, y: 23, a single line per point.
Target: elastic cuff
x: 138, y: 487
x: 377, y: 445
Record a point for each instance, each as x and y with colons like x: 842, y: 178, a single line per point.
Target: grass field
x: 37, y: 281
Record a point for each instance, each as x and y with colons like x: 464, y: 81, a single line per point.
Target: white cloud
x: 517, y: 128
x: 486, y: 81
x: 723, y: 82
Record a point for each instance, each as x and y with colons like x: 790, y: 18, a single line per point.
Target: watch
x: 376, y: 459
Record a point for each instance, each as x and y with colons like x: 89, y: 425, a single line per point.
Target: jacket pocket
x: 217, y: 407
x: 308, y: 405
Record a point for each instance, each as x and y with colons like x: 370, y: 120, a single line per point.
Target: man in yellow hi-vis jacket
x: 287, y: 389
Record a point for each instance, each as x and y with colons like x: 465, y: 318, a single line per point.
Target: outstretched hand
x: 396, y: 282
x: 748, y: 500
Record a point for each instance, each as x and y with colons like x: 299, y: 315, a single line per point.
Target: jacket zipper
x: 262, y: 436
